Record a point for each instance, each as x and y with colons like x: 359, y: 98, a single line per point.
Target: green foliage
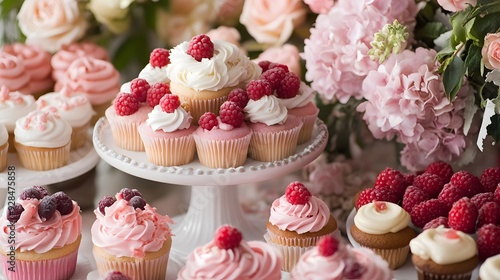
x: 8, y: 5
x: 494, y: 128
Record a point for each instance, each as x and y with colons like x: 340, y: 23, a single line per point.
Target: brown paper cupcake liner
x: 274, y: 146
x: 4, y: 150
x: 222, y: 153
x: 170, y: 151
x: 422, y: 275
x: 42, y: 159
x: 126, y: 136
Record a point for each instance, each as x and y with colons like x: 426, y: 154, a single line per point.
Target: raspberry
x: 440, y: 168
x: 106, y: 201
x: 43, y: 190
x: 469, y: 183
x: 496, y: 194
x: 365, y: 197
x: 156, y: 92
x: 170, y: 102
x: 208, y: 121
x: 137, y: 202
x: 116, y: 275
x: 273, y: 65
x: 289, y: 86
x: 393, y: 179
x: 256, y: 89
x: 14, y: 212
x: 412, y: 197
x: 352, y: 269
x: 126, y: 104
x: 409, y: 179
x: 227, y: 237
x: 427, y: 211
x: 239, y: 96
x: 297, y: 193
x: 487, y: 241
x: 201, y: 47
x: 481, y: 198
x: 274, y: 77
x: 231, y: 113
x: 327, y: 245
x: 439, y: 221
x: 159, y: 57
x: 385, y: 194
x: 127, y: 193
x: 490, y: 179
x: 64, y: 203
x: 463, y: 215
x: 450, y: 194
x: 429, y: 183
x: 489, y: 213
x: 139, y: 88
x: 47, y: 207
x: 264, y: 65
x: 30, y: 193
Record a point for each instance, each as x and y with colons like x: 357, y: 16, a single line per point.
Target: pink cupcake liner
x: 154, y: 269
x: 274, y: 145
x: 41, y: 159
x: 222, y: 153
x: 170, y: 151
x: 306, y: 131
x: 56, y: 269
x: 126, y: 136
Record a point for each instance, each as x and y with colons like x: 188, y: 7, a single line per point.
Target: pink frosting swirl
x: 13, y: 73
x: 252, y: 260
x: 302, y: 218
x: 96, y: 78
x: 36, y: 234
x: 128, y: 232
x: 374, y: 267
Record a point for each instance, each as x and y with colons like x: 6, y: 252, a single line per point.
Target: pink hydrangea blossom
x: 319, y: 6
x: 336, y: 53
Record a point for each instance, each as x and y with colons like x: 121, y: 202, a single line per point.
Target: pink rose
x: 456, y: 5
x: 272, y: 22
x: 491, y: 51
x: 287, y: 54
x: 51, y: 23
x: 224, y: 33
x: 230, y: 11
x: 319, y: 6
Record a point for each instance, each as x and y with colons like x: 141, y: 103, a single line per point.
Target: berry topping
x: 481, y: 198
x: 201, y: 47
x: 430, y: 183
x: 227, y: 237
x: 256, y: 89
x: 450, y: 194
x: 451, y: 234
x: 126, y: 104
x: 327, y: 245
x: 264, y: 65
x: 385, y: 194
x: 231, y: 113
x: 440, y: 168
x: 47, y: 207
x: 380, y: 206
x: 489, y: 213
x: 139, y: 88
x: 208, y: 121
x: 170, y: 102
x: 156, y: 92
x: 127, y: 193
x: 487, y: 241
x: 496, y: 194
x: 463, y: 215
x: 138, y: 202
x: 30, y: 193
x: 467, y: 182
x: 43, y: 190
x: 14, y: 212
x: 289, y: 86
x: 490, y: 179
x: 116, y: 275
x: 159, y: 57
x: 427, y: 211
x: 274, y: 77
x: 273, y: 65
x: 239, y: 96
x: 64, y: 203
x: 393, y: 179
x: 439, y: 221
x: 106, y: 201
x: 365, y: 197
x: 353, y: 269
x: 297, y: 193
x: 412, y: 197
x: 409, y: 179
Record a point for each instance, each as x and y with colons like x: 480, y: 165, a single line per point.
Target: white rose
x: 114, y: 14
x: 51, y: 23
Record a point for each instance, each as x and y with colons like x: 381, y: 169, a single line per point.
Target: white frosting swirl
x: 169, y: 122
x: 490, y: 269
x: 4, y: 135
x: 154, y: 74
x: 125, y: 88
x: 42, y: 129
x: 13, y: 106
x: 253, y: 72
x: 227, y: 68
x: 435, y: 245
x: 75, y: 109
x: 373, y: 221
x: 266, y: 110
x: 304, y: 97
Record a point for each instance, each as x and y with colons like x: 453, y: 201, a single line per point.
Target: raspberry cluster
x: 230, y: 112
x: 284, y: 84
x: 133, y: 196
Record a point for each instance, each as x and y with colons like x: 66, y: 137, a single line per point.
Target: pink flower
x: 229, y: 11
x: 456, y: 5
x: 287, y: 54
x: 328, y: 179
x: 224, y: 33
x: 319, y: 6
x: 491, y: 51
x: 336, y: 53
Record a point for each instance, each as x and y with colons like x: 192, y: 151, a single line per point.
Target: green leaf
x: 430, y: 30
x: 473, y: 60
x: 494, y: 127
x: 484, y: 25
x: 453, y: 77
x: 134, y: 48
x: 8, y: 5
x: 459, y: 21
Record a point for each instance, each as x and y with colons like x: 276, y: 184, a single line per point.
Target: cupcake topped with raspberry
x: 156, y: 70
x: 228, y: 256
x: 169, y: 115
x: 263, y: 106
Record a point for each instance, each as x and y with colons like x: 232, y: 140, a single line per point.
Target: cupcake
x: 490, y: 269
x: 275, y: 132
x: 441, y: 253
x: 167, y: 133
x: 13, y: 73
x: 129, y: 236
x: 228, y: 256
x: 297, y: 221
x: 37, y: 66
x: 47, y: 230
x: 42, y: 140
x: 75, y: 109
x: 384, y: 228
x: 4, y: 146
x: 222, y: 142
x: 202, y: 73
x: 333, y: 260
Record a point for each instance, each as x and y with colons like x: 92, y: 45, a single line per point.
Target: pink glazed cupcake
x: 47, y: 230
x: 228, y: 256
x: 13, y: 73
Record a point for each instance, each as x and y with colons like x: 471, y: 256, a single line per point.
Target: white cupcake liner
x: 274, y: 145
x: 126, y: 136
x: 79, y: 136
x: 42, y: 159
x: 197, y: 107
x: 138, y: 269
x: 170, y: 151
x: 396, y: 258
x: 222, y: 153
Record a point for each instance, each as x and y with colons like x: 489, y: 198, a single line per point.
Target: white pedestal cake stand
x: 214, y: 199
